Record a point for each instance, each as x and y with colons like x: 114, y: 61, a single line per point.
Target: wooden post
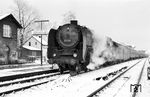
x: 41, y: 21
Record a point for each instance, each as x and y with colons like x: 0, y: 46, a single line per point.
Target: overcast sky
x: 126, y: 21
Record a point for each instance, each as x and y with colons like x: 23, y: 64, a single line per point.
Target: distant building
x: 8, y: 37
x: 32, y: 47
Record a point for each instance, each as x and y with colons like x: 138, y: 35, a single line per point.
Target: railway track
x: 16, y: 82
x: 139, y: 79
x: 29, y: 74
x: 7, y: 87
x: 21, y: 88
x: 29, y: 79
x: 94, y: 93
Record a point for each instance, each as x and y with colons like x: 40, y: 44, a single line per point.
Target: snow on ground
x: 145, y: 83
x: 121, y: 87
x: 15, y: 71
x: 18, y: 85
x: 66, y: 86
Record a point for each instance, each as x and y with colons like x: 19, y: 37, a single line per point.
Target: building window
x: 7, y: 32
x: 29, y: 43
x: 35, y: 43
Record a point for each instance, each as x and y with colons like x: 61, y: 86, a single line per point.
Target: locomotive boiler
x: 70, y: 47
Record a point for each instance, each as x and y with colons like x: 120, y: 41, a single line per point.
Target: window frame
x: 7, y: 31
x: 35, y: 43
x: 29, y: 43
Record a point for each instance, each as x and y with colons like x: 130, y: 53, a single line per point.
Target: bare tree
x: 26, y: 16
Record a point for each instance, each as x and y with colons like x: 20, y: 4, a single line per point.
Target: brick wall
x: 10, y: 43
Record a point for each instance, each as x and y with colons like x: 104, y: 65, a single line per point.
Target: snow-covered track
x: 29, y: 82
x: 93, y: 94
x: 139, y: 79
x: 29, y: 74
x: 22, y: 88
x: 29, y: 79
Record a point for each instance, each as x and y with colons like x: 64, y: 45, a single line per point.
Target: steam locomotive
x: 70, y: 47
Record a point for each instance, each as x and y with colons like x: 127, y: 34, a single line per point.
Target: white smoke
x: 107, y: 50
x: 99, y: 45
x: 67, y: 17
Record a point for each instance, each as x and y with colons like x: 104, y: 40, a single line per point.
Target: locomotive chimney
x: 75, y: 22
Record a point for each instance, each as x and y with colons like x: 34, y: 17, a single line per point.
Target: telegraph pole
x: 41, y: 21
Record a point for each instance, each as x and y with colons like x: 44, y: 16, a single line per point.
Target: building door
x: 7, y: 50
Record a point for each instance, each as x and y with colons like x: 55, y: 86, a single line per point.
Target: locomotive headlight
x: 54, y: 55
x: 74, y: 55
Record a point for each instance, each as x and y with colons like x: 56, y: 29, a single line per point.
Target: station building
x: 8, y: 38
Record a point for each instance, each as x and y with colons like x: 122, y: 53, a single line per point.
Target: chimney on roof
x: 75, y: 22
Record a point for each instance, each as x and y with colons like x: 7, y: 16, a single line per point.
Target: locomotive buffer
x: 41, y: 21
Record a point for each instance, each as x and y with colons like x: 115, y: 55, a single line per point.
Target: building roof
x: 13, y: 19
x: 39, y: 40
x: 44, y: 43
x: 31, y: 48
x: 3, y: 16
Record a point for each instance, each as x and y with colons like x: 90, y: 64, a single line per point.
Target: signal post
x: 41, y: 21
